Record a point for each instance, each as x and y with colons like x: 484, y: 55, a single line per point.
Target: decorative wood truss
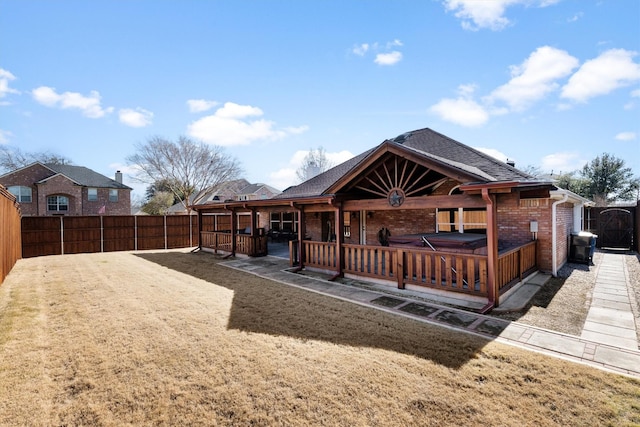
x: 395, y: 178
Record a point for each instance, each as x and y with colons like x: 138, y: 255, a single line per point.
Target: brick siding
x: 79, y: 203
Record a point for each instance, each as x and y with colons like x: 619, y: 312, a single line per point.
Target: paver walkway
x: 604, y: 355
x: 610, y: 319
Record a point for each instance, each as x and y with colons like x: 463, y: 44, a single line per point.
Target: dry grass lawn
x: 173, y: 338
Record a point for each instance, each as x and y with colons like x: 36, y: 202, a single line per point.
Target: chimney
x: 511, y: 163
x: 119, y: 177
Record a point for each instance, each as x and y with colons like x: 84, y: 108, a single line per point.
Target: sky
x: 550, y: 84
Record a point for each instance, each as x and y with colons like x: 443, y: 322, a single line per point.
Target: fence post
x: 165, y: 232
x: 101, y: 235
x: 62, y: 235
x: 135, y: 232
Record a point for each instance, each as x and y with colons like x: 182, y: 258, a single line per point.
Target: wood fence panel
x: 10, y: 235
x: 178, y: 231
x: 41, y: 236
x: 151, y: 232
x: 119, y: 233
x: 81, y: 234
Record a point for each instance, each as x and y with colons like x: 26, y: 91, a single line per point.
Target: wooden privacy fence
x: 86, y: 234
x: 10, y: 246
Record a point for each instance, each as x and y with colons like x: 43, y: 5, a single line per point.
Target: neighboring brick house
x: 51, y: 189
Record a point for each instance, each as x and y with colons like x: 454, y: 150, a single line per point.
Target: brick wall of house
x: 79, y: 203
x: 514, y: 216
x: 564, y: 225
x: 27, y: 177
x: 121, y: 207
x: 400, y: 222
x: 60, y: 186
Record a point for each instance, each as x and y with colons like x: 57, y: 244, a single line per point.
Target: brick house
x: 51, y: 189
x: 235, y: 190
x: 428, y: 213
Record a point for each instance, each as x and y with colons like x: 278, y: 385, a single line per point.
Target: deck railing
x: 445, y: 271
x: 319, y: 255
x: 456, y: 272
x: 378, y: 262
x: 245, y: 243
x: 515, y: 264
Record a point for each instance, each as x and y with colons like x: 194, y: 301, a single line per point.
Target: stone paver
x: 606, y: 342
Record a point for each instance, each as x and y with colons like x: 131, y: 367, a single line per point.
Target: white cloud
x: 477, y: 14
x: 575, y: 17
x: 493, y: 153
x: 390, y: 58
x: 287, y: 175
x: 232, y: 110
x: 4, y: 136
x: 200, y: 105
x: 562, y: 162
x: 234, y: 124
x: 88, y: 105
x: 360, y: 49
x: 609, y: 71
x: 463, y: 110
x: 535, y: 77
x: 5, y: 78
x: 384, y: 55
x: 137, y: 118
x: 635, y: 93
x: 626, y: 136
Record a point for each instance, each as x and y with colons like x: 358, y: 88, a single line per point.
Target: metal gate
x: 616, y: 228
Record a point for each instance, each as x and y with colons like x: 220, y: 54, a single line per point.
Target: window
x: 275, y: 221
x: 22, y: 193
x: 461, y: 220
x: 92, y: 194
x: 113, y: 195
x: 58, y: 203
x: 347, y: 224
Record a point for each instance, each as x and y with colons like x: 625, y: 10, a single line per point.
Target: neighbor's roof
x: 430, y: 145
x: 86, y: 177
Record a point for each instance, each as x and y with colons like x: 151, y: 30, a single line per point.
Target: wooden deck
x: 454, y: 272
x: 422, y: 267
x: 244, y: 243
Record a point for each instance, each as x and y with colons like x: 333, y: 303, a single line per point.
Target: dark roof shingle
x: 429, y: 144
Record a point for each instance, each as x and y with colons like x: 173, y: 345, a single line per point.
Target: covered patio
x: 420, y: 212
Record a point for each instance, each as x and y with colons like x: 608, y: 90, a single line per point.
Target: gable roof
x: 85, y: 176
x: 424, y: 144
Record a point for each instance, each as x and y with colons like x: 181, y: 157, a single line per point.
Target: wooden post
x: 233, y: 232
x: 339, y: 226
x: 302, y: 230
x: 492, y: 247
x: 199, y: 230
x: 400, y: 268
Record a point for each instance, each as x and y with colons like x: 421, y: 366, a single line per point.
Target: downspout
x: 554, y: 245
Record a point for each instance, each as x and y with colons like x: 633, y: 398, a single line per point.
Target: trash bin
x: 583, y: 245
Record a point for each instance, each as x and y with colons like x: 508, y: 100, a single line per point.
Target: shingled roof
x: 430, y: 145
x: 86, y: 177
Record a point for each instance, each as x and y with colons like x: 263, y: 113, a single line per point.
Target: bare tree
x: 314, y: 163
x: 188, y: 167
x: 14, y: 158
